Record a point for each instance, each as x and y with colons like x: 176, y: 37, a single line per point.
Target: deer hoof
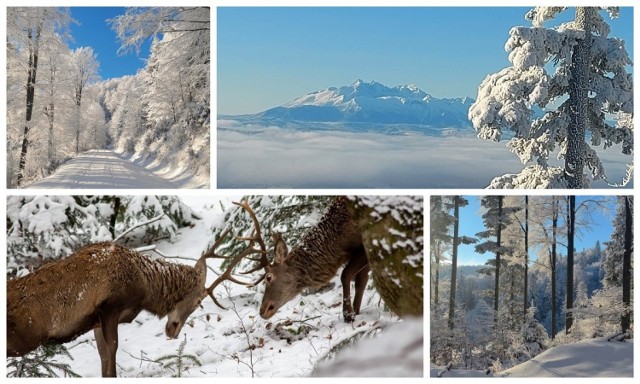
x: 349, y: 316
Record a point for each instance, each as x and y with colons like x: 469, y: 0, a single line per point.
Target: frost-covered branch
x: 141, y: 224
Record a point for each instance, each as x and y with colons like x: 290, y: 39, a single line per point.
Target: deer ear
x: 281, y: 249
x: 201, y: 269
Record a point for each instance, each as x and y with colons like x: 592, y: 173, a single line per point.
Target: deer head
x: 177, y: 317
x: 281, y: 280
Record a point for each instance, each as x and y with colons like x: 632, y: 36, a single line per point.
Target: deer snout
x: 267, y: 310
x: 172, y: 330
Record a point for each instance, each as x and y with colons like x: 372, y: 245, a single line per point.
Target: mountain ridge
x: 372, y: 102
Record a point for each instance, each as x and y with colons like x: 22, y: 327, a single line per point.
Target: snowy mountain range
x: 372, y: 102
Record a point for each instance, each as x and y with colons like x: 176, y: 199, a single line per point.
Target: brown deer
x: 334, y: 241
x: 99, y: 287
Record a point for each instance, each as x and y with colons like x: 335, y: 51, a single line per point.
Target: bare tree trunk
x: 553, y: 266
x: 454, y: 260
x: 570, y: 256
x: 498, y: 244
x: 526, y: 257
x: 50, y: 147
x: 579, y: 99
x: 31, y: 81
x: 626, y: 264
x: 437, y: 277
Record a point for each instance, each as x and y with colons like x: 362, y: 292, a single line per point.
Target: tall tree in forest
x: 571, y: 221
x: 525, y: 229
x: 55, y: 65
x: 458, y: 202
x: 84, y: 70
x: 439, y: 236
x: 626, y: 263
x: 522, y: 220
x: 25, y: 30
x: 454, y: 260
x: 617, y: 265
x: 589, y: 85
x: 555, y: 204
x: 495, y: 218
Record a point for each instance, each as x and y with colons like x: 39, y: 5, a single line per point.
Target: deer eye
x: 269, y: 277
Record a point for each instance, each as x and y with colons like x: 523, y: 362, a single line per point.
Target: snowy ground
x: 255, y: 157
x: 237, y: 342
x: 589, y: 358
x: 108, y: 169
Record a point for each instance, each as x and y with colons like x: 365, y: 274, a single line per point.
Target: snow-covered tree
x: 440, y: 239
x: 174, y: 101
x: 43, y: 227
x: 84, y: 65
x: 27, y: 29
x: 496, y: 217
x: 535, y: 336
x: 578, y: 76
x: 617, y: 260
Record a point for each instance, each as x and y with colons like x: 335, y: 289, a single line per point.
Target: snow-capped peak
x: 374, y: 102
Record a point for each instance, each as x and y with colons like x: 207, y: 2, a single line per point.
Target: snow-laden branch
x: 142, y: 224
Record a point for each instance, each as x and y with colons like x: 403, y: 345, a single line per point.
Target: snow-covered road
x: 102, y: 169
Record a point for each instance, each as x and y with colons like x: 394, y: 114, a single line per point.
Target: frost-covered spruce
x: 588, y: 87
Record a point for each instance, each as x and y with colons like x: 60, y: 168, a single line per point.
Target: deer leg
x: 102, y: 349
x: 109, y: 325
x: 353, y: 267
x: 362, y: 278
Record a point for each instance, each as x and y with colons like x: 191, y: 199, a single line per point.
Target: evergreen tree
x: 589, y: 84
x: 535, y: 336
x: 495, y: 219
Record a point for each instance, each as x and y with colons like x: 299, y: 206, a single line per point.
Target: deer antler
x: 256, y: 237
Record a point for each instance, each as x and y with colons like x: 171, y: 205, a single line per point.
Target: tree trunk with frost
x: 626, y: 264
x: 454, y: 260
x: 34, y: 36
x: 579, y: 96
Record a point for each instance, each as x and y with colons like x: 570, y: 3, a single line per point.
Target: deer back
x: 324, y: 248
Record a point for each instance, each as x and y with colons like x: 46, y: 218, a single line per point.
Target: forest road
x: 101, y: 168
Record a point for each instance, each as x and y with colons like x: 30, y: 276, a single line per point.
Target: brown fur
x: 100, y: 283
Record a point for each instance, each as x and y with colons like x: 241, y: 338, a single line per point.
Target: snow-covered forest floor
x: 238, y: 342
x: 251, y: 158
x: 589, y: 358
x: 102, y: 168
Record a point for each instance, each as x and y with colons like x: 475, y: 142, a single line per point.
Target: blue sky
x: 471, y: 223
x: 93, y: 31
x: 269, y: 56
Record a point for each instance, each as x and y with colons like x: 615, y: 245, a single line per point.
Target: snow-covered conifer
x: 564, y: 82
